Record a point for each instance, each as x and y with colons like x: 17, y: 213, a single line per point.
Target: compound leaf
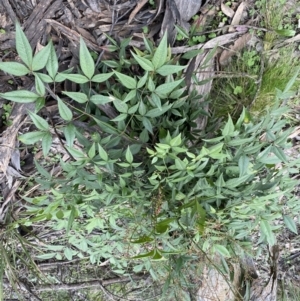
x: 290, y: 223
x: 69, y: 132
x: 128, y: 155
x: 76, y: 78
x: 126, y: 80
x: 14, y: 68
x: 77, y: 96
x: 22, y: 96
x: 100, y: 78
x: 222, y: 250
x: 23, y: 47
x: 40, y: 59
x: 160, y: 55
x: 169, y: 69
x: 46, y: 143
x: 64, y: 111
x: 166, y: 88
x: 87, y: 63
x: 52, y: 63
x: 39, y: 122
x: 32, y: 137
x: 144, y: 63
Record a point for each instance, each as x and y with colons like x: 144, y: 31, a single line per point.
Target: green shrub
x: 139, y: 189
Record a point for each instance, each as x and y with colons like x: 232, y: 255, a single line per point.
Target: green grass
x: 288, y: 292
x: 281, y: 65
x: 273, y: 15
x: 236, y: 87
x: 252, y: 77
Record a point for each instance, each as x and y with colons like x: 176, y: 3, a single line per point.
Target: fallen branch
x: 86, y: 284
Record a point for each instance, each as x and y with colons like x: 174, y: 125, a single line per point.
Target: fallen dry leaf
x: 238, y: 45
x: 293, y: 39
x: 187, y: 9
x: 203, y: 73
x: 218, y: 41
x: 229, y: 12
x: 136, y: 10
x: 9, y: 136
x: 15, y: 158
x: 85, y: 34
x: 238, y: 16
x: 204, y: 14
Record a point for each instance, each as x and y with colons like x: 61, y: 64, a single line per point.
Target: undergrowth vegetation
x: 267, y: 63
x: 139, y: 188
